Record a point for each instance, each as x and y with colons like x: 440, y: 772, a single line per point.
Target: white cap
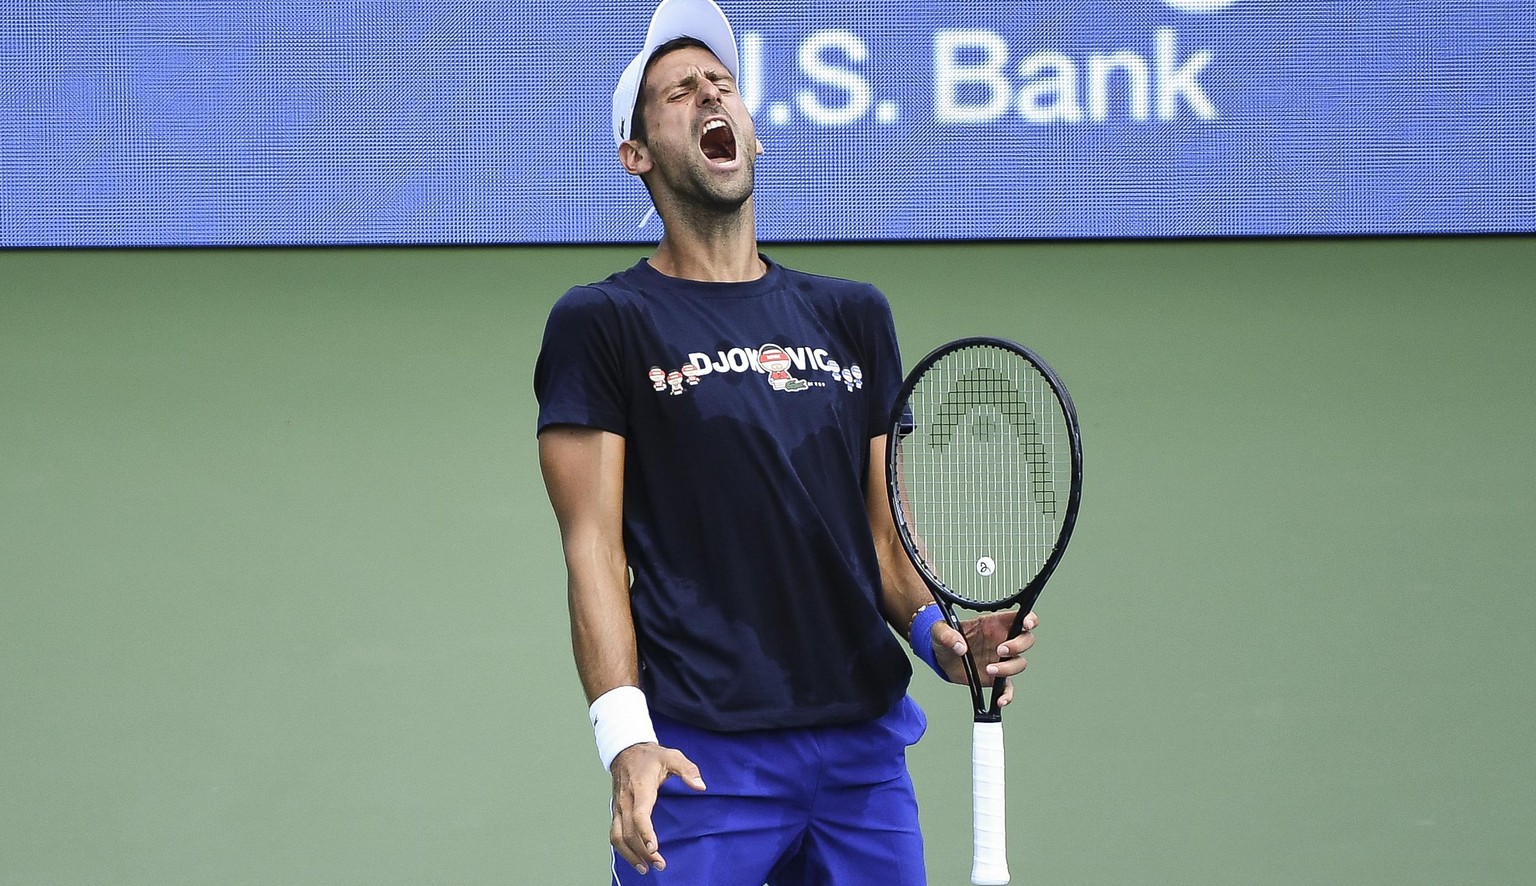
x: 702, y: 20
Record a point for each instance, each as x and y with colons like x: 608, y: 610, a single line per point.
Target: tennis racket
x: 984, y: 468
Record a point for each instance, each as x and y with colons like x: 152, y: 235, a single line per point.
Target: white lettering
x: 1100, y: 67
x: 817, y: 68
x: 1199, y: 5
x: 1060, y: 87
x: 751, y: 71
x: 949, y: 74
x: 750, y: 359
x: 1173, y: 82
x: 971, y: 82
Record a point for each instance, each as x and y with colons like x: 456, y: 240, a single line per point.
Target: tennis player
x: 736, y: 584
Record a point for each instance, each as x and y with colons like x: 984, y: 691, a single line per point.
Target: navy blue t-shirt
x: 747, y: 411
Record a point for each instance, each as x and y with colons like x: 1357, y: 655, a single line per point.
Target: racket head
x: 984, y: 472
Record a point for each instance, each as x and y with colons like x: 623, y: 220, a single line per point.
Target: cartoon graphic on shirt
x: 778, y: 362
x: 775, y: 361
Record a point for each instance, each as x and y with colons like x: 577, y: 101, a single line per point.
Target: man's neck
x: 711, y: 250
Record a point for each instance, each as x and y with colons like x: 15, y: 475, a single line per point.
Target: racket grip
x: 989, y: 848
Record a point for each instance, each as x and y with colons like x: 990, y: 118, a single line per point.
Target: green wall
x: 281, y: 599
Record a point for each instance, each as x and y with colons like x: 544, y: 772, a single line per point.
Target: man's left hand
x: 997, y: 657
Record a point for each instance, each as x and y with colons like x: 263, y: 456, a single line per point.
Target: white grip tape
x: 990, y: 850
x: 620, y: 719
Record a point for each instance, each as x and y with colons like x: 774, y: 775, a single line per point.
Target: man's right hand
x: 638, y: 772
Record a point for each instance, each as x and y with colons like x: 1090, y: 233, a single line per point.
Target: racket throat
x: 985, y: 713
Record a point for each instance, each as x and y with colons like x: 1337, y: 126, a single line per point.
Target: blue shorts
x: 821, y: 806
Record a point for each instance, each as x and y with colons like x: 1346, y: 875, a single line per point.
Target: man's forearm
x: 902, y: 590
x: 602, y: 628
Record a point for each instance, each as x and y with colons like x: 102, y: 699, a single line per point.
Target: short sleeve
x: 576, y: 378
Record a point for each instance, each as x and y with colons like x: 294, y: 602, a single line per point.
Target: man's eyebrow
x: 691, y: 79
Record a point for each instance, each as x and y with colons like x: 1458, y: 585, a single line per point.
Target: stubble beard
x: 705, y: 200
x: 703, y: 197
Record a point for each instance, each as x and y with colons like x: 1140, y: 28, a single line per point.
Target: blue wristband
x: 922, y: 626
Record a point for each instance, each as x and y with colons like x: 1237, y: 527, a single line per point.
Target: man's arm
x: 584, y: 476
x: 903, y: 592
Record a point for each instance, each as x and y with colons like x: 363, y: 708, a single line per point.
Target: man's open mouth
x: 718, y: 141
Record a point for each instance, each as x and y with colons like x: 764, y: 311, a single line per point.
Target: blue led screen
x: 318, y: 122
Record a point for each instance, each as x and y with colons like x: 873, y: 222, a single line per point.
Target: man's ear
x: 635, y: 157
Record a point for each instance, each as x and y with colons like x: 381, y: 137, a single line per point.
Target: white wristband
x: 620, y: 719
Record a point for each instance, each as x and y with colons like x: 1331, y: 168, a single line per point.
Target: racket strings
x: 982, y: 469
